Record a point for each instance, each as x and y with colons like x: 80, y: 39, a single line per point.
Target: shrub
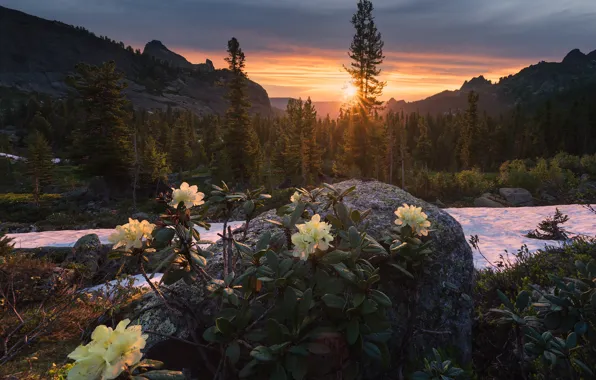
x: 515, y: 174
x: 588, y: 164
x: 471, y: 183
x: 567, y: 161
x: 443, y: 185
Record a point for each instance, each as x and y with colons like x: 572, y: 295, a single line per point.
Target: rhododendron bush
x: 279, y: 303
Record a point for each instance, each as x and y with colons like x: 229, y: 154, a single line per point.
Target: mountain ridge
x: 30, y: 63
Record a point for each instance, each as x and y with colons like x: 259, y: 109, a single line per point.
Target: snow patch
x: 68, y: 238
x: 19, y: 158
x: 107, y: 290
x: 501, y: 229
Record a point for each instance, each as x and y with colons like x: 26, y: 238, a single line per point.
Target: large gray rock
x: 440, y: 317
x: 87, y: 251
x: 517, y: 196
x: 429, y: 315
x: 489, y: 200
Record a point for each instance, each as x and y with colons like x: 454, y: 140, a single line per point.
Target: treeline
x: 303, y: 148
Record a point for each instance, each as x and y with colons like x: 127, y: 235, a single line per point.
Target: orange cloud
x: 302, y: 72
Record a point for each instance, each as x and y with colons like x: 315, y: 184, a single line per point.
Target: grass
x: 12, y: 198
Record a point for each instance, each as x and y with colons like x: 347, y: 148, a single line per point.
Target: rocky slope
x: 37, y: 54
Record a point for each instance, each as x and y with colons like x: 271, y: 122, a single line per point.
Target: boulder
x: 87, y: 251
x: 490, y: 200
x: 517, y: 196
x: 140, y: 215
x: 437, y: 316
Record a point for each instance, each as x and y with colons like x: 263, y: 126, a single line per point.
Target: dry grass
x: 43, y: 316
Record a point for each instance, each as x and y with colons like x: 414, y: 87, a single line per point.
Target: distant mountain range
x: 531, y: 85
x: 37, y: 54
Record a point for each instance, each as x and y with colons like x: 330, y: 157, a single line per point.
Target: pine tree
x: 310, y: 152
x: 423, y: 150
x: 39, y: 163
x: 105, y: 142
x: 366, y: 52
x: 240, y: 138
x: 468, y: 131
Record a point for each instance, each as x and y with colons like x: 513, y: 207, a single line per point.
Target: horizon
x: 289, y: 65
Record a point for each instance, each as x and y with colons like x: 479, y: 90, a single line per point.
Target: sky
x: 296, y: 48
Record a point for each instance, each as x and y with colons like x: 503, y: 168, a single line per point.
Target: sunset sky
x: 297, y: 47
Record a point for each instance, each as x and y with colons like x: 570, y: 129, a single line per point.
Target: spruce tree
x: 366, y: 52
x: 310, y: 152
x: 242, y: 146
x: 423, y: 150
x: 39, y: 163
x: 468, y: 131
x: 105, y: 143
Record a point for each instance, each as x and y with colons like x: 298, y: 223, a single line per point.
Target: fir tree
x: 310, y: 152
x: 105, y: 143
x: 468, y: 131
x: 39, y: 163
x: 423, y: 150
x: 240, y: 138
x: 366, y: 52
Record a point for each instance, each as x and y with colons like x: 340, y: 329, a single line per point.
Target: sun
x: 350, y: 91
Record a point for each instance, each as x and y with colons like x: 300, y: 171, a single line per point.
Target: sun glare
x: 350, y: 91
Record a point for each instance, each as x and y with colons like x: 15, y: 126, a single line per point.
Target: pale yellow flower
x: 296, y: 197
x: 414, y: 217
x: 131, y: 234
x: 311, y: 235
x: 108, y: 353
x: 189, y: 195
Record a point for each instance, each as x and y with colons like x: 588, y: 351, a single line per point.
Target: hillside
x: 531, y: 86
x: 45, y: 52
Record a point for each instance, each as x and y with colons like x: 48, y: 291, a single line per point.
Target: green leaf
x: 581, y: 328
x: 233, y: 352
x: 224, y: 326
x: 164, y: 374
x: 583, y: 367
x: 248, y: 369
x: 249, y: 207
x: 344, y: 215
x: 372, y: 350
x: 290, y: 301
x: 263, y: 241
x: 299, y: 350
x: 164, y: 236
x: 296, y: 214
x: 402, y: 269
x: 279, y: 373
x: 297, y: 366
x: 353, y: 331
x: 333, y: 301
x: 505, y: 300
x: 344, y: 272
x: 354, y: 236
x: 571, y: 341
x: 552, y: 320
x: 305, y: 303
x: 198, y: 259
x: 358, y: 298
x: 523, y: 300
x: 262, y: 353
x: 368, y: 306
x: 272, y: 260
x: 381, y: 298
x: 335, y: 257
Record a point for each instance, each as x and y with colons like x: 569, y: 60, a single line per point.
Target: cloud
x: 300, y: 44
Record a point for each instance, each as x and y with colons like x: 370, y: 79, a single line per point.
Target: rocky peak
x: 592, y: 55
x: 159, y: 51
x: 476, y: 83
x: 575, y: 56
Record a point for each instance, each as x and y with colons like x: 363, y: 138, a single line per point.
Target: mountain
x: 37, y: 54
x: 530, y: 86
